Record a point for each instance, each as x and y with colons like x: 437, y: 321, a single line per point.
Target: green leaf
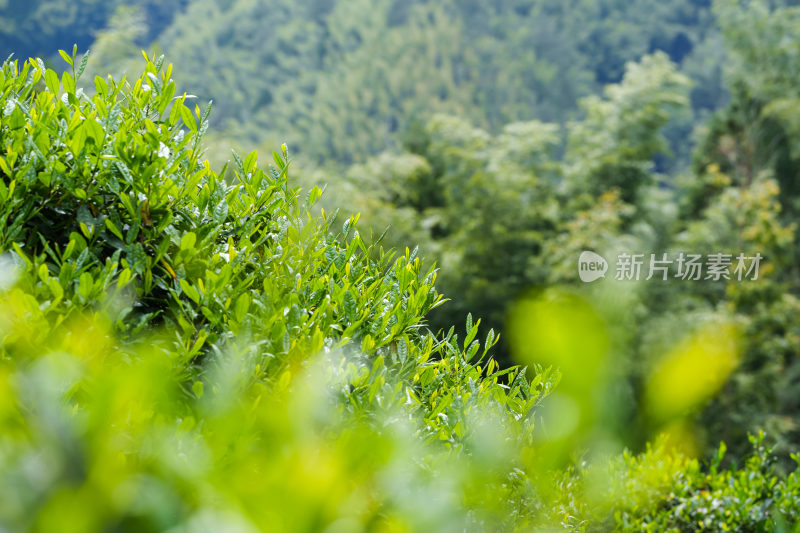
x: 472, y: 332
x: 175, y: 113
x: 241, y: 307
x: 68, y: 82
x: 55, y: 288
x: 101, y: 86
x: 402, y: 351
x: 133, y: 232
x: 473, y: 349
x: 82, y: 66
x: 51, y: 80
x: 202, y: 335
x: 78, y: 140
x: 69, y: 249
x: 187, y: 117
x: 350, y: 307
x: 66, y: 57
x: 166, y: 97
x: 124, y: 278
x: 188, y: 241
x: 17, y: 118
x: 114, y: 229
x: 490, y: 339
x: 278, y: 161
x: 314, y: 195
x: 221, y: 212
x: 44, y: 273
x: 128, y: 177
x: 250, y: 161
x: 190, y: 291
x: 94, y: 130
x: 85, y: 285
x: 136, y: 258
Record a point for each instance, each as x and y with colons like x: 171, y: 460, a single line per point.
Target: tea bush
x: 183, y: 352
x: 147, y: 287
x: 661, y: 491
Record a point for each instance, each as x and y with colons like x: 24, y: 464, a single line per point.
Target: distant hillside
x: 344, y: 80
x: 40, y: 27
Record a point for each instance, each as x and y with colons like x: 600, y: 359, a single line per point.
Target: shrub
x: 160, y: 336
x: 748, y: 498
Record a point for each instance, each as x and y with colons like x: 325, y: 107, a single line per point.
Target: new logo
x: 591, y: 266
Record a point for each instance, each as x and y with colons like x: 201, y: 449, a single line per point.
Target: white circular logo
x: 591, y: 266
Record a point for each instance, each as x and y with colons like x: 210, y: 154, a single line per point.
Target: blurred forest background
x: 503, y: 137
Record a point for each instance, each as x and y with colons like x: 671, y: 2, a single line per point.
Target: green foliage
x: 345, y: 80
x: 502, y: 213
x: 743, y: 196
x: 182, y: 348
x: 156, y: 306
x: 749, y: 218
x: 661, y: 491
x: 756, y: 132
x: 614, y: 146
x: 39, y: 27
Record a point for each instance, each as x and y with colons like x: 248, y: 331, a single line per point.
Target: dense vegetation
x: 179, y: 351
x: 196, y: 345
x: 503, y: 213
x: 341, y: 81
